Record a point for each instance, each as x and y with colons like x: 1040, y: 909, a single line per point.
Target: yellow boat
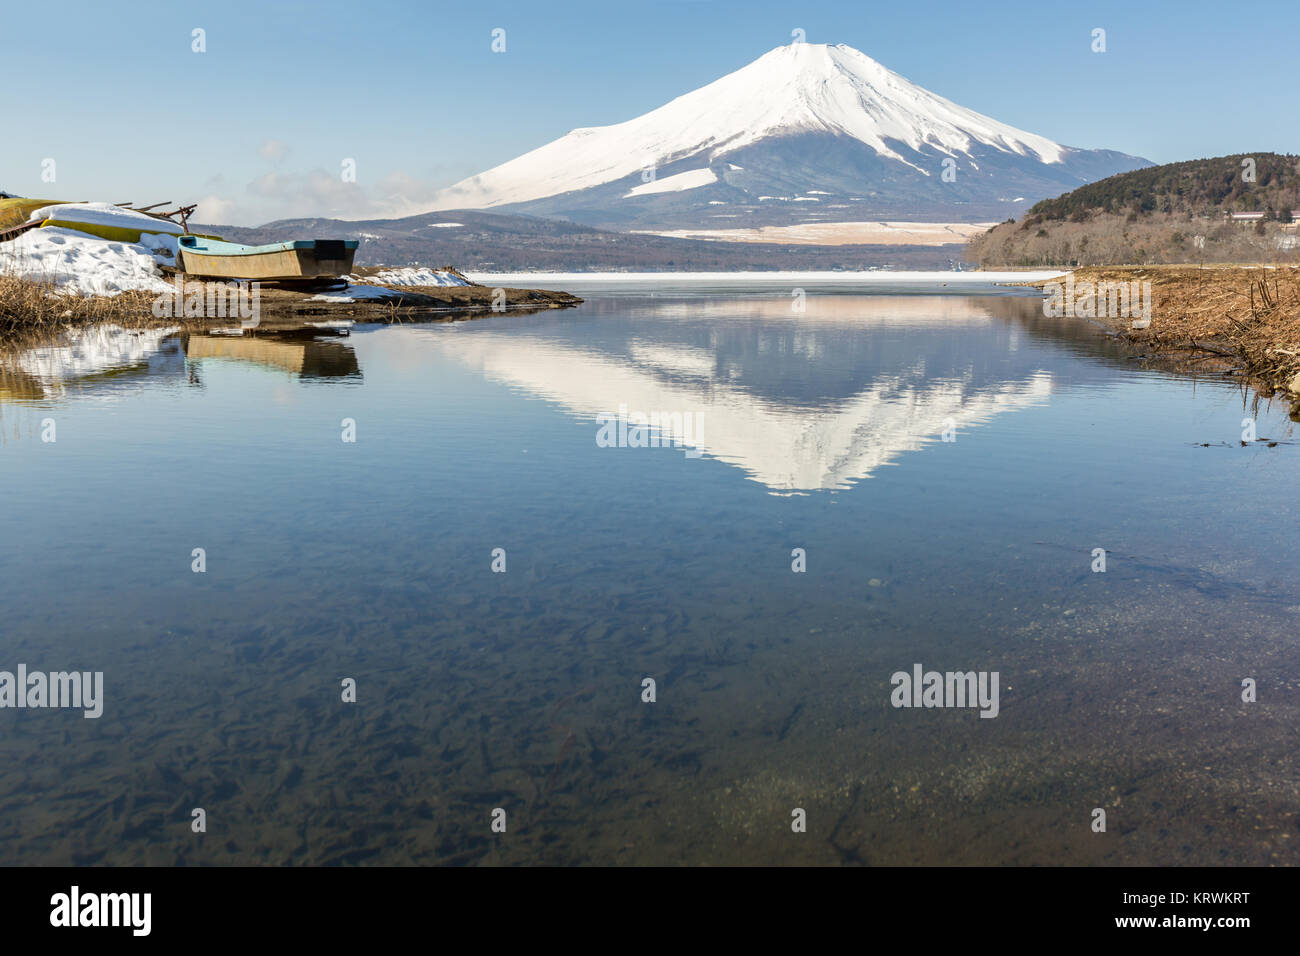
x: 15, y: 218
x: 15, y: 212
x: 111, y: 233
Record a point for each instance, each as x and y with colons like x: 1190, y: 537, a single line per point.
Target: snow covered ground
x: 77, y: 263
x: 840, y: 233
x: 84, y: 265
x: 361, y: 290
x: 411, y: 275
x: 355, y: 293
x: 81, y: 264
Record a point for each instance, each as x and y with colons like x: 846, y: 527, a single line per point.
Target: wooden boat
x: 298, y: 259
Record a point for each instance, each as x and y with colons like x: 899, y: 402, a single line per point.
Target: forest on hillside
x: 1177, y: 213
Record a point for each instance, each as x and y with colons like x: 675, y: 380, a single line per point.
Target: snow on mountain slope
x: 691, y: 179
x: 796, y: 89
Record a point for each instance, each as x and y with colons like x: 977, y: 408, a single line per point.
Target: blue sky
x: 257, y: 127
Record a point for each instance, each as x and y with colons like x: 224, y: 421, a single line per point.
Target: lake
x: 358, y: 597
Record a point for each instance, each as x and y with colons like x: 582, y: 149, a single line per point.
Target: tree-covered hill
x: 1247, y: 182
x: 1179, y: 212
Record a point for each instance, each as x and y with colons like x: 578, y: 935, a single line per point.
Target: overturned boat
x: 115, y: 223
x: 279, y: 261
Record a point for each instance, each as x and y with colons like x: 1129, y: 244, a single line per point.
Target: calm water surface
x: 522, y: 690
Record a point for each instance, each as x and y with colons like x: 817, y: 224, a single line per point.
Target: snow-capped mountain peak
x: 842, y: 90
x: 799, y: 90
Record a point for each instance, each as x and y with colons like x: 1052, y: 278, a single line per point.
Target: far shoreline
x: 868, y: 276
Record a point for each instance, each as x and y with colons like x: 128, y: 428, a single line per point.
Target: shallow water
x: 521, y: 690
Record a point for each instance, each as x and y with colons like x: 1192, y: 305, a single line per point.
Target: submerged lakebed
x: 821, y: 432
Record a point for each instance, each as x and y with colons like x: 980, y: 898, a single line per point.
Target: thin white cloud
x: 273, y: 150
x: 317, y: 193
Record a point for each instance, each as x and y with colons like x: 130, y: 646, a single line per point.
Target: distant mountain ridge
x: 477, y: 241
x: 805, y: 133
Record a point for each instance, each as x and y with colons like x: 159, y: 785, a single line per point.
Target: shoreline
x: 877, y: 276
x: 1236, y: 320
x: 26, y: 307
x: 1243, y: 321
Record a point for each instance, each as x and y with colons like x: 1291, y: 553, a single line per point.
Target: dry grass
x: 1269, y: 337
x: 1250, y: 315
x: 34, y: 307
x: 28, y: 305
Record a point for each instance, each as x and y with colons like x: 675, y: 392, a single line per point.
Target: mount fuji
x: 806, y: 133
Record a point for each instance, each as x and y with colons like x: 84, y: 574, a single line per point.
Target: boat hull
x: 308, y: 259
x: 104, y: 231
x: 15, y: 212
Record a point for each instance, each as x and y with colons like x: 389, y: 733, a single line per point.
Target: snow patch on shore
x: 356, y: 293
x: 77, y: 263
x: 360, y: 290
x: 411, y: 275
x: 83, y: 265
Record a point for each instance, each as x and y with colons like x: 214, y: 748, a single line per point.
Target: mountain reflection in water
x: 872, y: 379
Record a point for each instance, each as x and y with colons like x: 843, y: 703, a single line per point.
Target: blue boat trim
x: 212, y: 247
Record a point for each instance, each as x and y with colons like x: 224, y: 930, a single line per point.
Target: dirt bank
x: 406, y: 301
x: 1238, y: 320
x: 28, y: 307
